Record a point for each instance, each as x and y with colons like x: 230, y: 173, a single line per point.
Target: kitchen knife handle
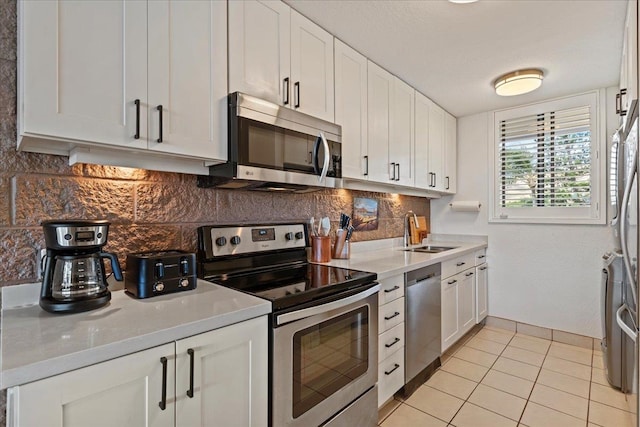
x: 163, y: 402
x: 296, y: 87
x: 159, y: 108
x: 137, y: 135
x: 366, y: 164
x: 191, y: 366
x: 285, y: 91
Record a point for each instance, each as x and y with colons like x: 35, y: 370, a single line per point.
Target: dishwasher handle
x: 428, y: 273
x: 432, y: 276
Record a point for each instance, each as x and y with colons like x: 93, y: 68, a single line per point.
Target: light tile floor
x: 499, y: 378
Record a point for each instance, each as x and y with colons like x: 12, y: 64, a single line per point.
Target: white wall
x: 544, y: 275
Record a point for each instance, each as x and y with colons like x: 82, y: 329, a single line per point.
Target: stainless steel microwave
x: 272, y: 147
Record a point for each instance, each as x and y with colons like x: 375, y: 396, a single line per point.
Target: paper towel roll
x: 465, y: 206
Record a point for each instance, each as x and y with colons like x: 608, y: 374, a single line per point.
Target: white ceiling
x: 453, y: 52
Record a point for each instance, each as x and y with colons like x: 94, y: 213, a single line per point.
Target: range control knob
x: 235, y: 240
x: 289, y: 236
x: 221, y: 241
x: 299, y: 235
x: 159, y: 287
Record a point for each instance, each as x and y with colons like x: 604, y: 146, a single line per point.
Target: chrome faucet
x: 406, y: 226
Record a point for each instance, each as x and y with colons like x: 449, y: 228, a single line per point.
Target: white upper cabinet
x: 402, y: 132
x: 629, y: 63
x: 311, y: 68
x: 351, y: 109
x: 278, y: 55
x: 421, y: 137
x: 451, y: 153
x: 380, y: 92
x: 99, y: 75
x: 188, y: 78
x: 436, y: 153
x: 82, y: 67
x: 260, y: 49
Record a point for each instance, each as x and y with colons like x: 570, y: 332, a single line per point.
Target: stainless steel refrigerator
x: 620, y: 272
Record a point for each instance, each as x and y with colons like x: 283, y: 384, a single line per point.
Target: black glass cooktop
x: 290, y: 286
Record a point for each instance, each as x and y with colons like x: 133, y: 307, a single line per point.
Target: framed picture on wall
x: 365, y: 214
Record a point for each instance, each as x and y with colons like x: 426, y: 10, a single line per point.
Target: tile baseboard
x: 546, y: 333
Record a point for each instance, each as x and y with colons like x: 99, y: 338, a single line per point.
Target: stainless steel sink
x: 429, y: 249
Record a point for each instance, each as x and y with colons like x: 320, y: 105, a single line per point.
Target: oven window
x: 328, y: 356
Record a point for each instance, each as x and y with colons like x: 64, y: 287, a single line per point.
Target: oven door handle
x: 330, y: 306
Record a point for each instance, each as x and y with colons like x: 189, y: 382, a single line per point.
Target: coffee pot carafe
x: 74, y: 278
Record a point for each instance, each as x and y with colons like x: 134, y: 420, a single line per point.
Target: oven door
x: 324, y: 358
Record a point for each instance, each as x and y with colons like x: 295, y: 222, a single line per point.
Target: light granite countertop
x: 37, y: 344
x: 387, y: 258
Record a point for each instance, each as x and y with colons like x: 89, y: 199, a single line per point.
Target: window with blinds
x: 546, y: 162
x: 545, y: 159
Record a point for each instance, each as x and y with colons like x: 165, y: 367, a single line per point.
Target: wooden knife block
x: 417, y: 234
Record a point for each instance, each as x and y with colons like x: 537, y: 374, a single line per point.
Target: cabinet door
x: 466, y: 300
x: 83, y: 65
x: 122, y: 392
x: 482, y: 292
x: 259, y: 49
x: 188, y: 77
x: 451, y: 153
x: 380, y: 87
x: 229, y: 376
x: 401, y: 144
x: 311, y: 68
x: 450, y: 317
x: 421, y: 138
x: 436, y: 146
x: 351, y: 109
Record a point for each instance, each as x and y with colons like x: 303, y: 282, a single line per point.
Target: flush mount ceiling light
x: 518, y: 82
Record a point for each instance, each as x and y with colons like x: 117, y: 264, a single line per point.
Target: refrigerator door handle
x: 626, y: 329
x: 623, y: 230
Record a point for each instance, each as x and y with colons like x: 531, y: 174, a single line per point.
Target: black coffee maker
x: 74, y: 279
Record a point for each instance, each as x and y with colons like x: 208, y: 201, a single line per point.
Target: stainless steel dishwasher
x: 422, y: 326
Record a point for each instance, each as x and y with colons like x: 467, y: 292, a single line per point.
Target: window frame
x: 596, y: 212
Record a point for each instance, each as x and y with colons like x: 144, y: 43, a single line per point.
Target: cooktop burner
x: 270, y: 261
x: 295, y: 285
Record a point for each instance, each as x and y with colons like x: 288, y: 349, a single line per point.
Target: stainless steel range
x: 324, y: 325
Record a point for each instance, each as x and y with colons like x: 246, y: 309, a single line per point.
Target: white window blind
x: 546, y: 166
x: 545, y: 159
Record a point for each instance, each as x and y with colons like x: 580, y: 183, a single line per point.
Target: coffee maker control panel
x: 81, y: 236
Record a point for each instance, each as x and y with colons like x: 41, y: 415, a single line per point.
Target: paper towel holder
x: 465, y: 206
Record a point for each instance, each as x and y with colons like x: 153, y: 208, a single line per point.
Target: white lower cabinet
x: 482, y: 292
x: 458, y: 299
x: 391, y: 338
x: 153, y: 387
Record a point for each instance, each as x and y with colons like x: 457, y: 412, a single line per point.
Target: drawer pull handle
x: 191, y: 362
x: 460, y: 264
x: 163, y: 402
x: 483, y: 268
x: 395, y: 288
x: 480, y: 256
x: 469, y: 274
x: 285, y: 91
x: 137, y: 103
x: 396, y: 314
x: 160, y: 109
x: 451, y: 282
x: 395, y: 366
x: 395, y: 341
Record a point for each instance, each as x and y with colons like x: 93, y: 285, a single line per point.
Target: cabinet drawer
x: 390, y: 315
x: 390, y: 341
x: 455, y: 266
x: 481, y: 256
x: 390, y: 376
x: 391, y: 289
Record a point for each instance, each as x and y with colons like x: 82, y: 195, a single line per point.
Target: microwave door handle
x: 314, y: 156
x: 324, y: 308
x: 327, y: 156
